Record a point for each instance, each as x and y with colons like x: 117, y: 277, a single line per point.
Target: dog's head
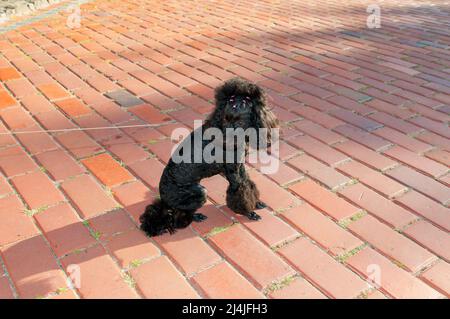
x: 242, y: 104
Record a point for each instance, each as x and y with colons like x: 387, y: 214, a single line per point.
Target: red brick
x: 435, y: 140
x: 159, y: 279
x: 255, y: 260
x: 391, y: 109
x: 420, y: 182
x: 132, y: 247
x: 64, y: 229
x: 15, y: 224
x: 318, y: 117
x: 270, y: 193
x: 403, y: 140
x: 356, y: 120
x: 365, y: 155
x: 5, y: 289
x: 426, y: 207
x: 134, y: 197
x: 297, y: 289
x: 436, y: 127
x: 440, y: 156
x: 362, y: 137
x: 375, y: 180
x: 54, y: 120
x: 395, y: 123
x: 318, y: 150
x: 149, y: 171
x: 31, y: 186
x: 14, y: 161
x: 315, y: 169
x: 5, y: 188
x: 270, y: 229
x: 216, y: 219
x: 162, y: 149
x: 321, y: 229
x: 322, y: 134
x: 216, y: 187
x: 431, y: 237
x: 125, y: 149
x: 59, y: 164
x: 17, y: 118
x: 79, y: 144
x: 111, y: 223
x: 53, y: 91
x: 6, y: 100
x: 222, y: 281
x: 93, y: 120
x: 149, y: 114
x: 391, y: 243
x: 421, y: 163
x: 324, y: 200
x: 33, y: 268
x: 439, y: 277
x: 88, y: 196
x: 322, y: 270
x: 37, y: 142
x: 377, y: 205
x: 179, y: 247
x: 107, y: 283
x: 284, y: 174
x: 393, y: 280
x: 73, y: 107
x: 107, y: 170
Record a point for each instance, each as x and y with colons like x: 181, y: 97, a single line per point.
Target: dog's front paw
x: 253, y: 216
x: 198, y: 217
x: 260, y: 205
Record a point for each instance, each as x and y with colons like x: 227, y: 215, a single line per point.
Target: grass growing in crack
x: 95, y: 234
x: 151, y: 142
x: 60, y: 291
x: 32, y: 212
x: 135, y: 263
x: 281, y: 284
x: 128, y: 279
x: 347, y: 221
x: 345, y: 256
x: 218, y: 230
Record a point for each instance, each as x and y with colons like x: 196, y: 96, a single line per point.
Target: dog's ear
x: 263, y: 118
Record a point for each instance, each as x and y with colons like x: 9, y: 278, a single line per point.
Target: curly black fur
x: 239, y: 104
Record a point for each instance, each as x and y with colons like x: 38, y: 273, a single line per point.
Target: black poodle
x: 239, y: 105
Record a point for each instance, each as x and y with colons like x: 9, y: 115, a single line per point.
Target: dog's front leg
x: 242, y: 194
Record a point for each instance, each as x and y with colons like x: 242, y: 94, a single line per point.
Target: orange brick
x: 5, y: 289
x: 8, y: 74
x: 324, y: 200
x: 149, y: 114
x: 321, y: 269
x: 107, y: 170
x: 319, y: 150
x: 53, y: 91
x: 134, y: 197
x: 73, y: 107
x: 6, y: 100
x: 149, y: 171
x: 255, y: 260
